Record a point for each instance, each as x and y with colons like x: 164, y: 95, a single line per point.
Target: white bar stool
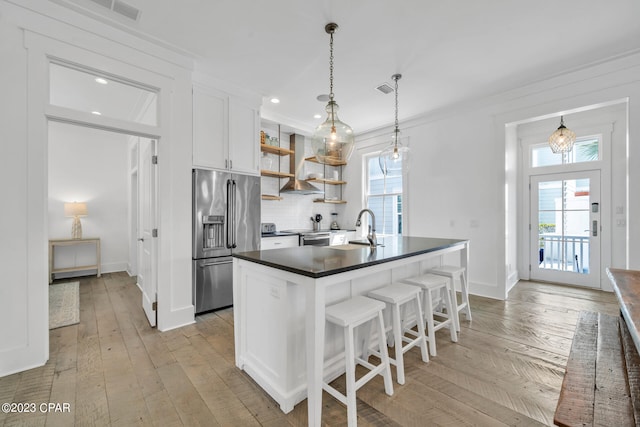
x: 430, y: 283
x: 396, y: 296
x: 454, y: 273
x: 349, y: 314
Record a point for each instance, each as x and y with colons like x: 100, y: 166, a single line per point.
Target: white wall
x: 89, y: 165
x: 451, y: 191
x: 458, y: 170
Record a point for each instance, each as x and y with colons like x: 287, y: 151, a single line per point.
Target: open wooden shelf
x: 326, y: 181
x: 331, y: 162
x: 278, y: 151
x: 270, y: 197
x: 337, y: 202
x: 275, y: 174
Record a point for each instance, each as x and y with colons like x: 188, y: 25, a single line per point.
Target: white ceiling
x: 447, y: 51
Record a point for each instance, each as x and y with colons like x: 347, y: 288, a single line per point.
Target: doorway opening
x: 565, y: 228
x: 102, y: 170
x: 106, y: 122
x: 571, y: 221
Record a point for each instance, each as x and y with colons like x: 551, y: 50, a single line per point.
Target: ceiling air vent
x: 385, y: 88
x: 120, y: 7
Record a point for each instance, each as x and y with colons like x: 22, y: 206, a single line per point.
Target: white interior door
x: 565, y: 228
x: 147, y: 278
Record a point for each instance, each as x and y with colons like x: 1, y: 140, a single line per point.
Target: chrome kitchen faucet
x: 371, y: 237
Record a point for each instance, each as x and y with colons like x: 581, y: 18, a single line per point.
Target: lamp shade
x: 333, y: 140
x: 75, y: 209
x: 561, y: 141
x: 394, y: 160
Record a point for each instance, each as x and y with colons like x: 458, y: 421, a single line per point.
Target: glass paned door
x: 565, y: 228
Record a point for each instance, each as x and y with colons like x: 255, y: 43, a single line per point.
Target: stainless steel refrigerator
x: 226, y: 219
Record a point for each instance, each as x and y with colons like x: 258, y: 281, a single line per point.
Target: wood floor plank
x: 258, y: 403
x: 506, y: 369
x: 63, y: 387
x: 192, y: 409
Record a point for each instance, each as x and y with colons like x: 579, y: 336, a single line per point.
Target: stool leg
x: 453, y: 298
x: 397, y: 336
x: 384, y: 358
x: 453, y: 314
x: 367, y: 341
x: 350, y: 375
x: 428, y: 314
x: 465, y: 295
x: 423, y: 341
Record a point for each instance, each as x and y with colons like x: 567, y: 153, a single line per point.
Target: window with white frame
x: 585, y: 149
x: 384, y: 197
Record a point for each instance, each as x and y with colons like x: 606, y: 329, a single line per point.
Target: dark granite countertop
x: 320, y: 261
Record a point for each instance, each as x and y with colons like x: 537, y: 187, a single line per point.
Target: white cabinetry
x: 278, y: 242
x: 226, y: 132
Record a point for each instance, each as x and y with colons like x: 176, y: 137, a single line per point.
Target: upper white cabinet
x: 210, y: 129
x: 244, y: 137
x: 226, y: 132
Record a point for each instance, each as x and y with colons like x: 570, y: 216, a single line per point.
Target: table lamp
x: 75, y: 210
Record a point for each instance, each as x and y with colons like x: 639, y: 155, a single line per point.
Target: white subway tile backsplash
x: 294, y: 210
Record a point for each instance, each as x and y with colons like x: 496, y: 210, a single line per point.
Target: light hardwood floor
x: 114, y: 369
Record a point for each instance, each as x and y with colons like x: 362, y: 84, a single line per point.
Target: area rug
x: 64, y: 304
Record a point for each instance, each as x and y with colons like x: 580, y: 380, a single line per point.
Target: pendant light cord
x: 331, y: 66
x: 331, y: 101
x: 396, y: 77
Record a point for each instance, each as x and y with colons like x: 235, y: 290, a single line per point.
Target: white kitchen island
x: 279, y: 307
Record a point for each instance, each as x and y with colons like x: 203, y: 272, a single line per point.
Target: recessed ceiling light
x: 317, y: 116
x: 97, y: 113
x: 101, y: 80
x: 275, y: 101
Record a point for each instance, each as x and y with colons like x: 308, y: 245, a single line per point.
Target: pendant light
x: 394, y: 160
x: 333, y: 140
x: 561, y: 141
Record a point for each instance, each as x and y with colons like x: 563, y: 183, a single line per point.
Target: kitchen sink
x: 349, y: 246
x: 363, y: 242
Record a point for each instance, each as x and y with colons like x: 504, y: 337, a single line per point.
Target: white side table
x: 73, y: 242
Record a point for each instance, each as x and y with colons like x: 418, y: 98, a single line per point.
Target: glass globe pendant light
x: 333, y: 140
x: 394, y: 160
x: 561, y: 141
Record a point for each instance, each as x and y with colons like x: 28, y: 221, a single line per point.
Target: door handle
x: 229, y: 215
x: 234, y: 241
x: 214, y: 263
x: 140, y: 239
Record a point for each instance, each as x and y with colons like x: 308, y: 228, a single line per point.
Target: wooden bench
x: 601, y: 384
